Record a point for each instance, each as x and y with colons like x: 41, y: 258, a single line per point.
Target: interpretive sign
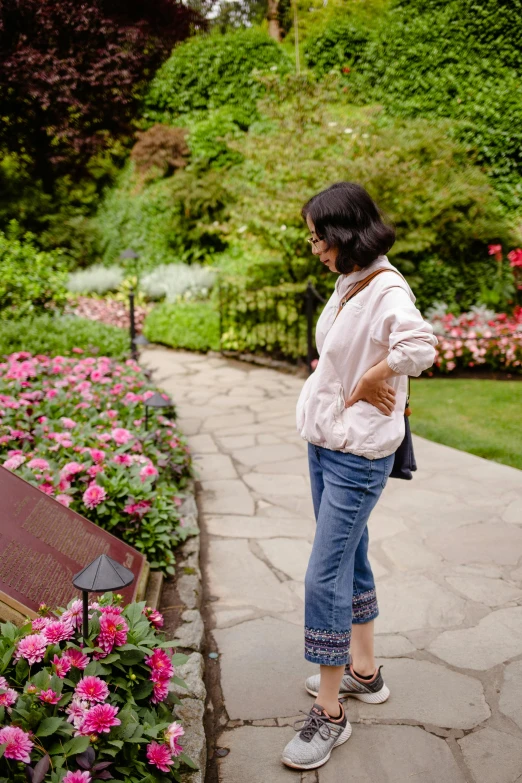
x: 43, y: 545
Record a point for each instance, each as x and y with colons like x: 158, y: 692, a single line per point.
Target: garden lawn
x: 482, y: 417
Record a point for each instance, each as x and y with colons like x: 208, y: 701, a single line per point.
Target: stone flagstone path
x: 446, y: 550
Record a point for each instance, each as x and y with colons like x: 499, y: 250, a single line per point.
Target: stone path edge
x: 189, y: 638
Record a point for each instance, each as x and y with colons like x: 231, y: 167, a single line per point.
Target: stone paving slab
x: 446, y: 550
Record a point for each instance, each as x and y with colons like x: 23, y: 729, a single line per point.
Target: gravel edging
x: 190, y: 635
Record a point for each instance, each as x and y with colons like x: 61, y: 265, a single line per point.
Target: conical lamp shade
x: 103, y: 574
x: 158, y: 401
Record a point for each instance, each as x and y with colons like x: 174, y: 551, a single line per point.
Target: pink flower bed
x: 75, y: 709
x: 75, y: 428
x: 479, y: 338
x: 107, y: 311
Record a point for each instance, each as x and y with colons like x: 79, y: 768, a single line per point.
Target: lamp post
x: 129, y: 253
x: 101, y: 575
x: 157, y: 401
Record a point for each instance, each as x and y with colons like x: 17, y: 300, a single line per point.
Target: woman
x: 351, y: 412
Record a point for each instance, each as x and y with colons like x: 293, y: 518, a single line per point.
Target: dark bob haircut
x: 348, y: 219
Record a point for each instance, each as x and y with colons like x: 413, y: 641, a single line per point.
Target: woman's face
x: 327, y: 257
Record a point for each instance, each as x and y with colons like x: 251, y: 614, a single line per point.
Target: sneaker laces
x: 315, y: 723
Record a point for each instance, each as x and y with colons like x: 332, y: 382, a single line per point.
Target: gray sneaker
x: 318, y: 736
x: 373, y: 692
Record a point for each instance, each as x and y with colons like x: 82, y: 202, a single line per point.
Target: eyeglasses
x: 315, y: 242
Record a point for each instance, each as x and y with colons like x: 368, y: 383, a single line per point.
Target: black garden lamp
x: 129, y: 253
x: 101, y: 575
x: 157, y: 401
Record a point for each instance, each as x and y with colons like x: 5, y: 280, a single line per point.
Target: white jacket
x: 380, y: 322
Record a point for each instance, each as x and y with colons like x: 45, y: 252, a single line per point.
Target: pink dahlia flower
x: 121, y: 436
x: 3, y: 683
x: 32, y: 648
x: 78, y: 659
x: 94, y: 495
x: 100, y: 718
x: 65, y: 500
x: 49, y: 696
x: 154, y: 617
x: 97, y: 455
x: 39, y: 623
x: 8, y: 698
x: 173, y: 733
x: 38, y: 463
x: 122, y: 459
x: 14, y: 462
x: 76, y: 711
x: 77, y: 777
x: 113, y: 630
x: 148, y: 471
x: 92, y: 689
x: 159, y: 756
x: 61, y: 666
x: 161, y: 665
x: 74, y: 614
x: 69, y: 423
x: 160, y: 691
x: 18, y: 744
x: 71, y: 469
x: 57, y: 631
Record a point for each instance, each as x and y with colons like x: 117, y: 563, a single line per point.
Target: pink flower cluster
x: 478, y: 338
x: 162, y: 755
x: 107, y: 311
x: 161, y: 672
x: 113, y: 629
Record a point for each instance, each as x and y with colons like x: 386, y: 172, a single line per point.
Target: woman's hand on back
x: 377, y: 392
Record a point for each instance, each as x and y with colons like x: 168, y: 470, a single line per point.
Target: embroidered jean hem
x: 364, y: 607
x: 328, y: 648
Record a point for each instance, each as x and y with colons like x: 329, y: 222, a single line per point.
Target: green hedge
x: 207, y: 72
x: 434, y: 58
x: 58, y: 335
x: 31, y: 280
x: 193, y: 326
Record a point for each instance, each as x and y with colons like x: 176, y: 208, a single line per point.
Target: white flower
x: 332, y: 124
x: 273, y: 68
x: 348, y: 130
x: 283, y: 227
x: 241, y: 229
x: 366, y: 135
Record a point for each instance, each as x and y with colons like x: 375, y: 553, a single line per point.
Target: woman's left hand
x: 375, y: 391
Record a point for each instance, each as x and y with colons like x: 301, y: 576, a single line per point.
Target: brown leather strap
x: 361, y: 285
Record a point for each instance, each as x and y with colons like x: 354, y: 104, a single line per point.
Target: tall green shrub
x: 207, y: 72
x: 31, y: 281
x: 446, y: 58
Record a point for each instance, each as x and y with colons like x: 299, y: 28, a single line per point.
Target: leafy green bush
x: 339, y: 46
x: 31, y: 281
x: 166, y: 220
x: 59, y: 335
x: 444, y: 209
x: 434, y: 58
x: 194, y: 326
x: 208, y: 138
x: 207, y: 72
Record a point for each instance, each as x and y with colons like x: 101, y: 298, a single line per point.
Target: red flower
x: 515, y: 257
x: 495, y: 250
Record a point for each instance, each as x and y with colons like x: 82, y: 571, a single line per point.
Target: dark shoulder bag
x: 404, y: 463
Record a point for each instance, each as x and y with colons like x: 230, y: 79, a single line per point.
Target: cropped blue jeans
x: 339, y: 584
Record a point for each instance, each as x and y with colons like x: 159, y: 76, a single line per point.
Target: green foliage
x: 193, y: 326
x: 164, y: 221
x: 456, y: 59
x: 208, y: 137
x: 444, y: 209
x: 31, y: 280
x: 340, y: 45
x: 59, y: 335
x: 97, y: 279
x: 207, y: 72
